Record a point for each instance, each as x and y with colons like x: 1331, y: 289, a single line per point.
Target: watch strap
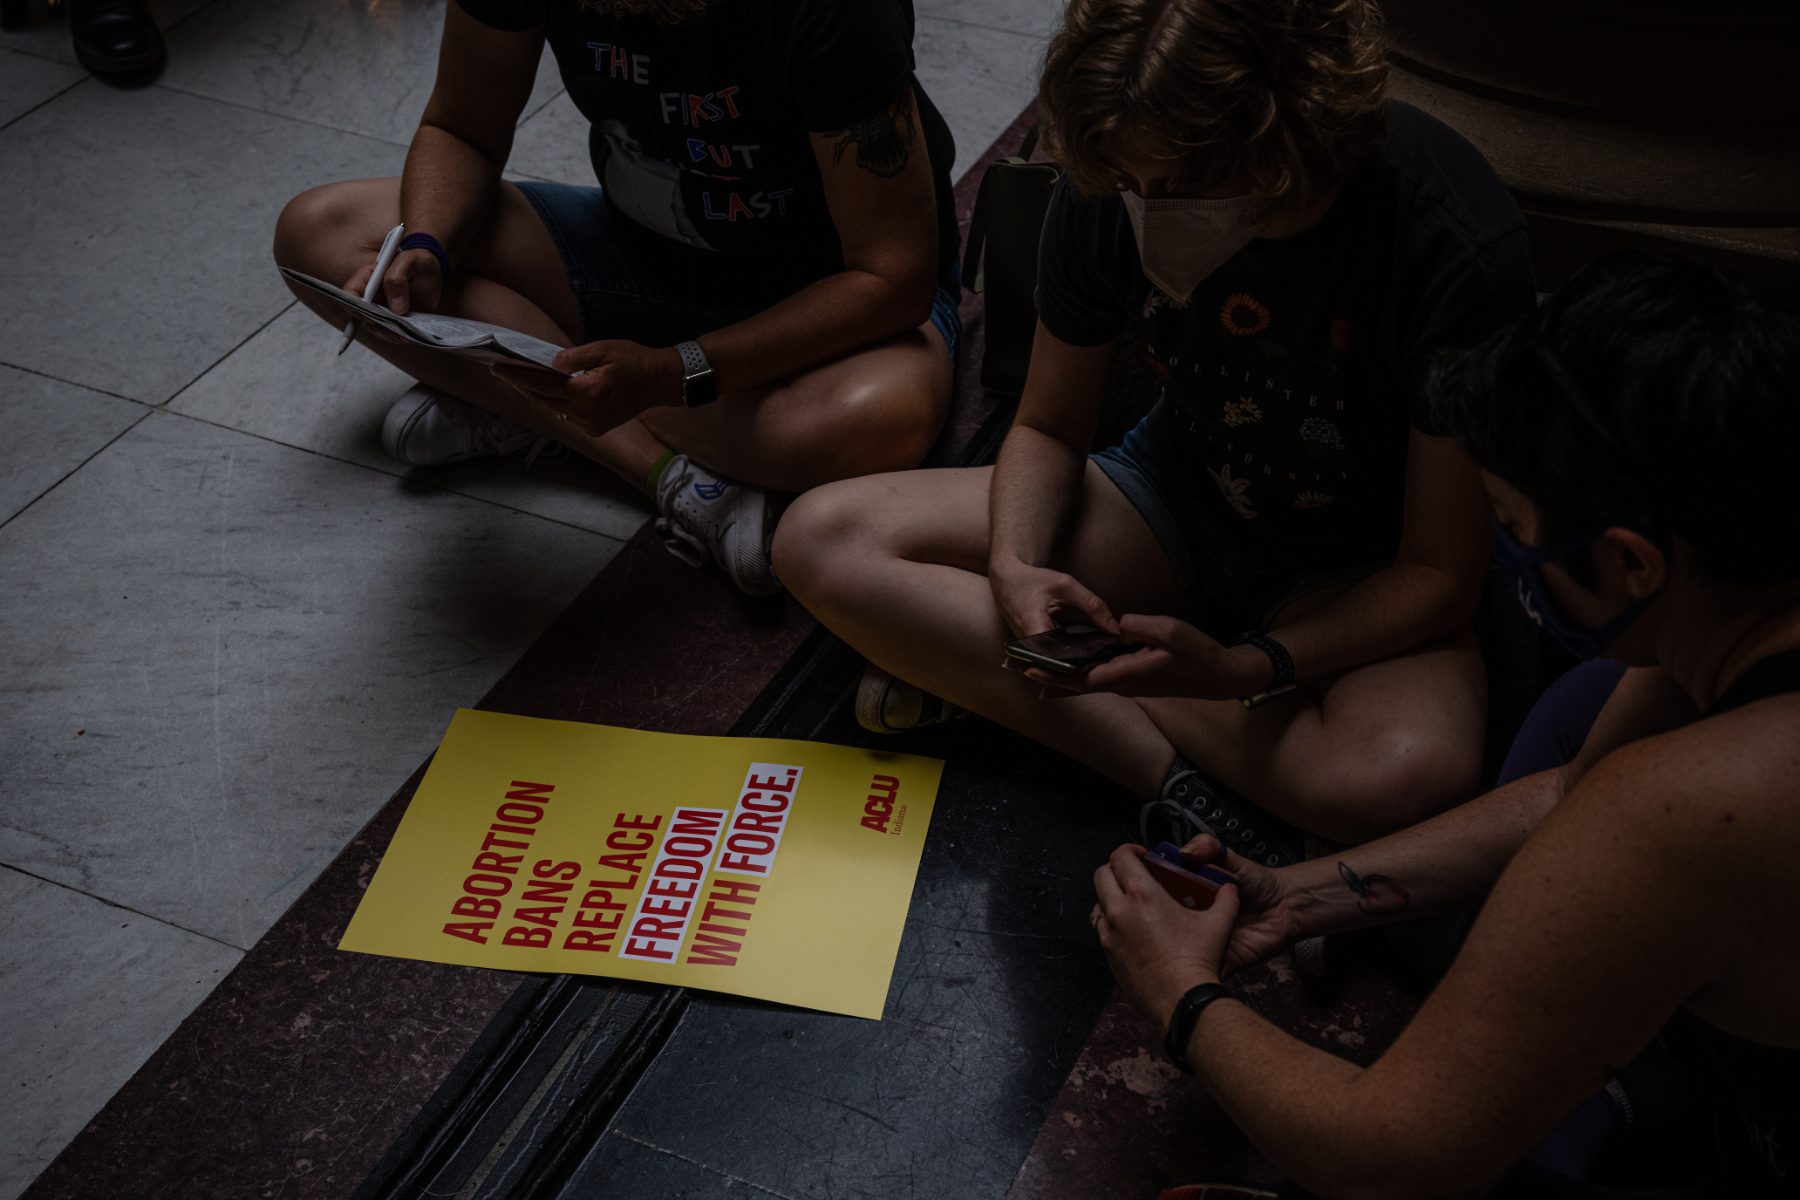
x: 1187, y: 1011
x: 696, y: 375
x: 1279, y: 658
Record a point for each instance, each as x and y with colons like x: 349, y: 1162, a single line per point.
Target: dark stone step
x: 1618, y: 170
x: 1722, y: 65
x: 1768, y: 258
x: 1589, y: 186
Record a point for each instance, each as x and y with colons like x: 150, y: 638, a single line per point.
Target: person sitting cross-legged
x: 1625, y: 1010
x: 1291, y: 248
x: 760, y: 297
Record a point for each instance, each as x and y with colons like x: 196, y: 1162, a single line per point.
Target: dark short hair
x: 1646, y: 392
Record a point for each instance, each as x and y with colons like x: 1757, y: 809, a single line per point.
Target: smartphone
x: 1069, y: 650
x: 1194, y: 884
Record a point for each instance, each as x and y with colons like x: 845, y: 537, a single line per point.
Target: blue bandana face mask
x: 1522, y: 563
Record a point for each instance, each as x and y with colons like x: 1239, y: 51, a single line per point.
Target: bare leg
x: 1355, y: 755
x: 879, y: 409
x: 875, y: 410
x: 895, y: 564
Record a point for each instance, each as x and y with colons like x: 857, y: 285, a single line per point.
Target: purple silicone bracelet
x: 424, y: 241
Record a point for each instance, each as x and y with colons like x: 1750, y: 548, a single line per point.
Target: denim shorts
x: 1227, y: 587
x: 640, y: 286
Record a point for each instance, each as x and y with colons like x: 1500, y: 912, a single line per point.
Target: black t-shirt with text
x: 700, y: 130
x: 1291, y: 378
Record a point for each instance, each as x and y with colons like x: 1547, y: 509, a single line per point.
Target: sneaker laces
x: 700, y: 525
x: 1189, y: 807
x: 682, y: 543
x: 1169, y: 807
x: 1175, y: 816
x: 709, y: 518
x: 700, y: 518
x: 490, y: 433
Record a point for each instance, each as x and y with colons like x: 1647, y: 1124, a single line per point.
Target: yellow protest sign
x: 763, y: 867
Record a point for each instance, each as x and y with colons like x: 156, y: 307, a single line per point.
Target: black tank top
x: 1753, y: 1088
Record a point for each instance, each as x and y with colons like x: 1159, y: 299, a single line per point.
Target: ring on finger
x: 1097, y: 916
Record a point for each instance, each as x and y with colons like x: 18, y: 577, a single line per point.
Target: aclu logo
x: 880, y: 813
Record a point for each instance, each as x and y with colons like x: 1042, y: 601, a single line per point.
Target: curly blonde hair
x: 1284, y: 93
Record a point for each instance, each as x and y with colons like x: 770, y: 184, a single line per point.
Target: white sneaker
x: 888, y: 705
x: 428, y: 429
x: 707, y: 518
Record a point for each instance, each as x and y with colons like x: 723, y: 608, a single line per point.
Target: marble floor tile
x: 1033, y: 17
x: 51, y: 428
x: 27, y: 81
x: 139, y: 224
x: 980, y: 79
x: 218, y: 656
x: 287, y: 384
x: 226, y: 636
x: 50, y: 39
x: 89, y: 991
x: 365, y: 66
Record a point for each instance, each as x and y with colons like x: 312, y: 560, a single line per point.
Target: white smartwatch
x: 697, y: 386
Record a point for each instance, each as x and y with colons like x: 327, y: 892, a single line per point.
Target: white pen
x: 384, y: 260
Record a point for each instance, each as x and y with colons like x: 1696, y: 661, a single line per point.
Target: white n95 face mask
x: 1182, y: 241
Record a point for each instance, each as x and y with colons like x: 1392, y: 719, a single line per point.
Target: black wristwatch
x: 696, y: 376
x: 1187, y: 1011
x: 1280, y: 659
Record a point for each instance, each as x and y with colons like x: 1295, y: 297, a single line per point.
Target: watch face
x: 698, y: 388
x: 697, y: 375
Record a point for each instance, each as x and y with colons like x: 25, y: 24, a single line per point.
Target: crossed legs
x: 878, y: 409
x: 896, y: 565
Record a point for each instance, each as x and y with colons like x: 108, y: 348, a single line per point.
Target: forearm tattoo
x: 883, y: 141
x: 1376, y: 895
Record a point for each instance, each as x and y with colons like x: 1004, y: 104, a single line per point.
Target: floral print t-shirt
x: 1291, y: 378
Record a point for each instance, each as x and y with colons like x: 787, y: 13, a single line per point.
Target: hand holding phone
x: 1193, y: 884
x: 1069, y: 650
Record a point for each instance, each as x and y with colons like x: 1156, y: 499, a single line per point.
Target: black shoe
x: 1194, y: 803
x: 115, y: 37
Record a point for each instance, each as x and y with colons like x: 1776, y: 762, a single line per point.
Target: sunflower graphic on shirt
x: 1243, y: 315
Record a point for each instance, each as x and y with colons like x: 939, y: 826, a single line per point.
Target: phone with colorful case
x: 1193, y: 884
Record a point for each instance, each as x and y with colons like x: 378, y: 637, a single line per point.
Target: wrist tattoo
x: 883, y: 141
x: 1377, y: 895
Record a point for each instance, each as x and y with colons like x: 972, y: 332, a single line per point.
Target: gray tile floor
x: 229, y: 627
